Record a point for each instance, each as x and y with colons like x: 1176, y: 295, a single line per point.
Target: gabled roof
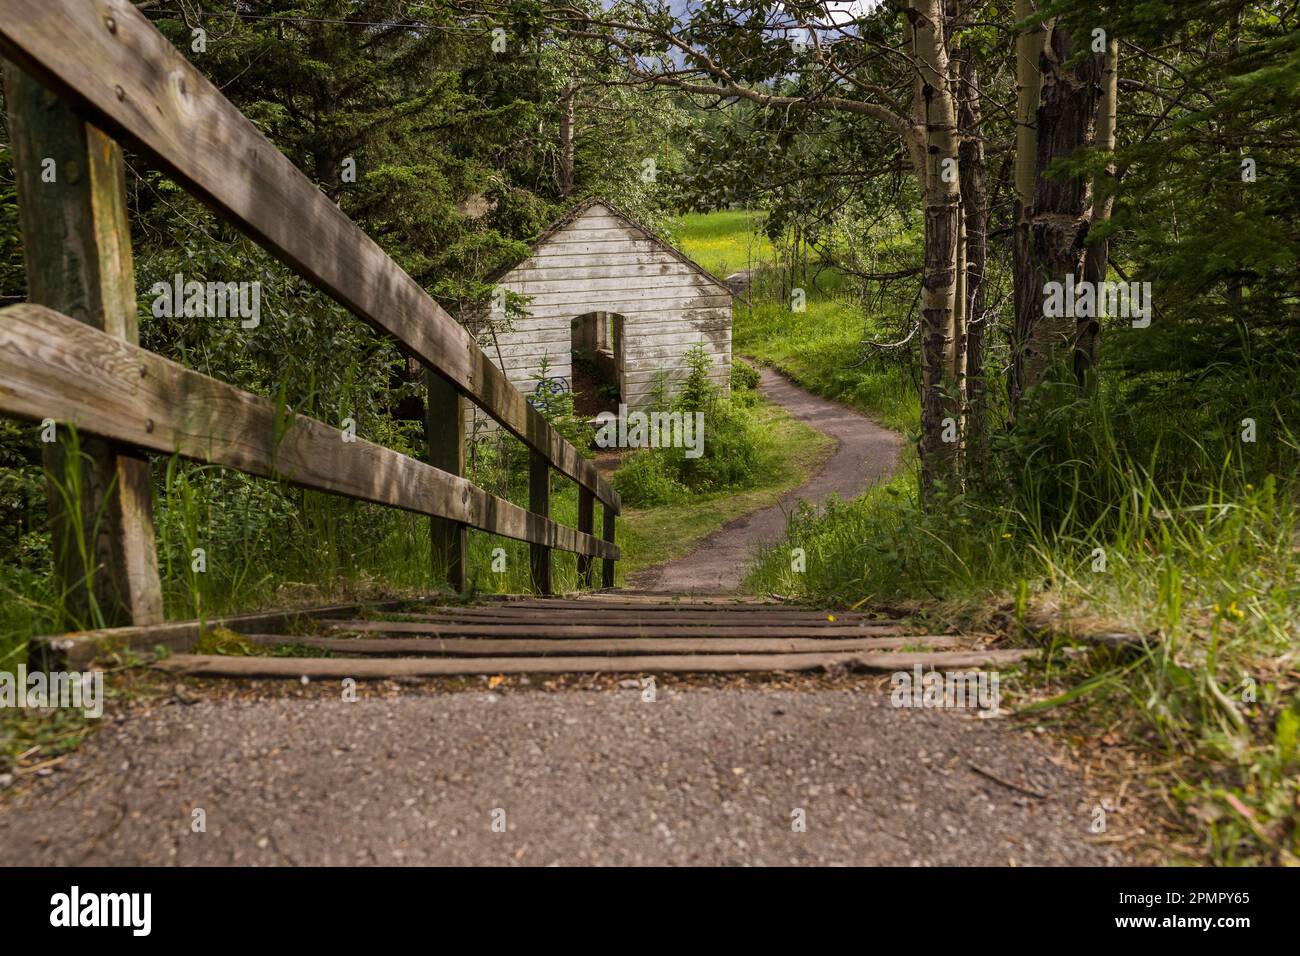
x: 576, y: 212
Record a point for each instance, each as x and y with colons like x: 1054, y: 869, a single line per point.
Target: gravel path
x: 866, y: 453
x: 700, y: 776
x: 703, y: 775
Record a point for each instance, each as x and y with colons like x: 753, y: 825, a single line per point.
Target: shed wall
x: 600, y: 263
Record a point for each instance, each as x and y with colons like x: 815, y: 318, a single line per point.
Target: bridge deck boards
x: 600, y: 616
x: 371, y: 668
x: 550, y: 627
x: 523, y: 634
x: 488, y: 647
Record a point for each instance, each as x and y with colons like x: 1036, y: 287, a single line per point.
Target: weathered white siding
x: 601, y: 263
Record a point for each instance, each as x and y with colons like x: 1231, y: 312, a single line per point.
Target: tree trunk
x: 1029, y: 84
x: 1051, y: 247
x: 940, y: 409
x: 568, y: 120
x: 975, y: 213
x: 1088, y: 333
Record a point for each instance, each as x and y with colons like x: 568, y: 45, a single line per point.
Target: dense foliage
x: 448, y: 152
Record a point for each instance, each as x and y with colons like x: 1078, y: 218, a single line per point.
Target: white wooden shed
x: 598, y: 280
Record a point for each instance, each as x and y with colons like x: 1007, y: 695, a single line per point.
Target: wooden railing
x: 83, y: 75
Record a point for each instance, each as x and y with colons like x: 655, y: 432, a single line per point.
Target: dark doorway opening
x: 597, y: 362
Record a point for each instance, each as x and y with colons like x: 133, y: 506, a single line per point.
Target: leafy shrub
x: 744, y: 377
x: 647, y: 480
x: 737, y: 450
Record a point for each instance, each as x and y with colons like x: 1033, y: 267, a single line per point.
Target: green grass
x: 655, y: 535
x: 821, y: 347
x: 1191, y: 541
x: 1137, y: 510
x: 650, y: 536
x: 724, y: 242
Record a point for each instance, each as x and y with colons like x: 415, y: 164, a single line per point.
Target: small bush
x: 744, y: 377
x: 737, y: 451
x: 647, y: 480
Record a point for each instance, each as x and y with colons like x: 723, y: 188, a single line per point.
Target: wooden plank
x: 649, y: 600
x: 586, y: 524
x: 77, y: 252
x: 620, y: 259
x: 600, y: 613
x: 597, y: 217
x: 524, y: 353
x: 640, y: 366
x: 585, y: 299
x: 360, y: 668
x: 77, y: 650
x: 489, y: 647
x: 674, y: 375
x: 667, y: 599
x: 597, y: 222
x: 615, y: 616
x: 549, y: 627
x: 587, y: 231
x: 444, y: 434
x: 650, y: 310
x: 644, y: 349
x: 644, y: 368
x: 582, y: 300
x: 132, y: 82
x: 559, y: 247
x: 515, y: 346
x: 712, y: 324
x: 531, y: 271
x: 673, y: 282
x: 528, y: 372
x: 607, y: 570
x: 539, y: 503
x: 53, y: 366
x: 520, y: 351
x: 556, y: 306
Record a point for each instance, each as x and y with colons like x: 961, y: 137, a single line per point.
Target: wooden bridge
x: 86, y: 75
x: 89, y: 74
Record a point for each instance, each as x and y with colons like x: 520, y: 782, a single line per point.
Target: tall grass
x: 1138, y: 505
x: 1153, y: 517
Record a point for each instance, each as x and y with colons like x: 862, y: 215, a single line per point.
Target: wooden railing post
x: 444, y: 431
x: 587, y: 525
x: 77, y: 246
x: 607, y: 572
x: 539, y: 503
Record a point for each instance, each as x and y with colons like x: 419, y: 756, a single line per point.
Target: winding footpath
x: 865, y: 454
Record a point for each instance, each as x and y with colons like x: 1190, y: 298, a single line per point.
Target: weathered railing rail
x: 85, y: 74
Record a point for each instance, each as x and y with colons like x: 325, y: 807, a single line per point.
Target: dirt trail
x: 865, y: 453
